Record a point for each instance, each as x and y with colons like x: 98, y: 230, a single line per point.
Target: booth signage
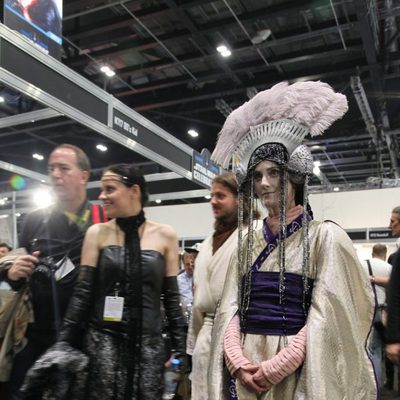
x: 141, y: 134
x: 204, y: 171
x: 380, y: 234
x: 357, y: 235
x: 123, y: 124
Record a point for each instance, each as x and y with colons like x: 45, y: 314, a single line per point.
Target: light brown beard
x: 225, y: 221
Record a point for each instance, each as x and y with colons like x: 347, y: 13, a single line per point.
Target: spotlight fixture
x: 107, y: 70
x: 316, y: 170
x: 38, y: 156
x: 224, y: 51
x: 193, y: 133
x: 101, y: 147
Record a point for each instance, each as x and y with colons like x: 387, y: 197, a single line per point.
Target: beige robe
x: 208, y: 278
x: 336, y: 366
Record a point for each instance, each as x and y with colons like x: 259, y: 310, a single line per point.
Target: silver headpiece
x: 284, y: 114
x: 301, y: 161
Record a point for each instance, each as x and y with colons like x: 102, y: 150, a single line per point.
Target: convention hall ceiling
x: 166, y: 65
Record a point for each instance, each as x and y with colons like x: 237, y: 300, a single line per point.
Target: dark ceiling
x: 167, y: 68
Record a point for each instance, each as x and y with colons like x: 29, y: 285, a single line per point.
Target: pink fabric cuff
x: 287, y: 360
x: 234, y: 358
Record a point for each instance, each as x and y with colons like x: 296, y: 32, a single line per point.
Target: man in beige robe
x: 209, y: 277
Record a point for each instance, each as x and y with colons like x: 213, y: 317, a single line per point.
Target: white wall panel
x: 351, y: 210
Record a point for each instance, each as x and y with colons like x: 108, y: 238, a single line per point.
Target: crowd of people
x: 278, y: 308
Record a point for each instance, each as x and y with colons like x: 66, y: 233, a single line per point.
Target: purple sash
x: 265, y: 316
x: 273, y: 240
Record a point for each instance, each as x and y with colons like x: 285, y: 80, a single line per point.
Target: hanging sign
x: 204, y: 170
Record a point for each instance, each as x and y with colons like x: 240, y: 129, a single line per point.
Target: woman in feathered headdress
x: 297, y: 309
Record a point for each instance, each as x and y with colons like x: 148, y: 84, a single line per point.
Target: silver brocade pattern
x: 244, y: 300
x: 241, y: 269
x: 108, y: 367
x: 306, y: 245
x: 282, y: 237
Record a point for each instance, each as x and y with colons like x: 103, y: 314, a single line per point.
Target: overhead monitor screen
x: 39, y: 20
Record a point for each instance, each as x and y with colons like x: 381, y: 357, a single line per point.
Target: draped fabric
x: 133, y: 270
x: 336, y: 366
x: 209, y: 278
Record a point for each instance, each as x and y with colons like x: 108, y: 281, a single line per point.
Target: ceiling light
x: 227, y: 53
x: 317, y: 163
x: 17, y: 214
x: 208, y: 197
x: 2, y: 100
x: 318, y: 147
x: 316, y: 170
x: 158, y: 201
x: 110, y: 73
x: 261, y: 36
x: 193, y: 133
x: 38, y: 156
x: 224, y: 51
x: 336, y: 189
x: 101, y: 147
x: 105, y: 68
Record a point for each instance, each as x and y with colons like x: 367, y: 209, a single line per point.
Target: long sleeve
x: 173, y: 310
x: 232, y: 348
x: 287, y: 360
x: 77, y: 313
x: 393, y: 323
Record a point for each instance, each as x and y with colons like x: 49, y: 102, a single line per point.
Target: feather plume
x: 314, y: 105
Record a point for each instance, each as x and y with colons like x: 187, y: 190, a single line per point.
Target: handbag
x: 15, y: 315
x: 378, y: 319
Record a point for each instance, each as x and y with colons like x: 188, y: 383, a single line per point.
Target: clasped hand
x: 252, y: 377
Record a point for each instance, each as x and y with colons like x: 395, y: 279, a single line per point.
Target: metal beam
x: 203, y: 40
x: 32, y: 116
x: 187, y: 194
x: 15, y: 169
x: 162, y: 176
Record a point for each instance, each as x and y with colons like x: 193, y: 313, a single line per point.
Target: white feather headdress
x: 283, y: 114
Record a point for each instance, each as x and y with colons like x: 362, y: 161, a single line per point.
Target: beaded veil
x: 271, y: 126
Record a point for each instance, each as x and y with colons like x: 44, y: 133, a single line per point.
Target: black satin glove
x: 76, y: 317
x: 173, y: 311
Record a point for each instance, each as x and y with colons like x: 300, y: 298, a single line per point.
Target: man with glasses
x: 52, y: 238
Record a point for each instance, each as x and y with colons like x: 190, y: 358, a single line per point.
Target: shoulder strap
x: 372, y: 283
x: 95, y: 214
x: 369, y: 267
x: 98, y: 214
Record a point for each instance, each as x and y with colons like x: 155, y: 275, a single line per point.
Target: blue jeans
x: 375, y: 351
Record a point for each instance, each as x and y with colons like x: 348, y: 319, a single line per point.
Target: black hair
x: 131, y: 175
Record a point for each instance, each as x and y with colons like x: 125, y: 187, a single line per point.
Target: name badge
x: 113, y: 308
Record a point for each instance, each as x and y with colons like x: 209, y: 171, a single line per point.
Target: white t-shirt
x: 379, y: 268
